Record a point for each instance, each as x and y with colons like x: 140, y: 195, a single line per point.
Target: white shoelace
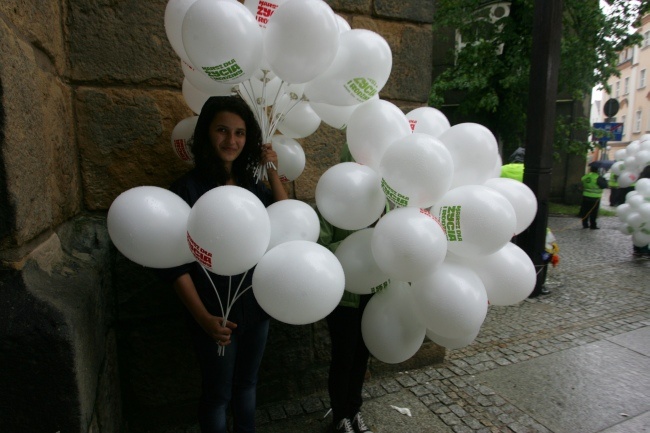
x: 362, y: 425
x: 348, y: 426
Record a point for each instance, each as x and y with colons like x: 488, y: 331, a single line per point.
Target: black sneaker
x: 344, y: 426
x: 359, y: 425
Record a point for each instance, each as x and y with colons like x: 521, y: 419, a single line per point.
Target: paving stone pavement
x: 599, y: 292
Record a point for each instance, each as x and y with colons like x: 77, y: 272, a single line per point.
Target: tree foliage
x: 491, y: 71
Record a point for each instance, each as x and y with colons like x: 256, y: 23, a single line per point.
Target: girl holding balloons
x: 227, y: 148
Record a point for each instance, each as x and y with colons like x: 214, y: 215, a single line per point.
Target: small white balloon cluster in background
x: 634, y: 214
x: 295, y: 62
x: 631, y: 161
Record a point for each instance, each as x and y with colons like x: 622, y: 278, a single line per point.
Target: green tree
x: 491, y: 70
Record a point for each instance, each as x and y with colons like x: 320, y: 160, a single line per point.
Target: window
x: 646, y: 39
x: 642, y: 79
x: 627, y: 86
x: 637, y: 121
x: 617, y: 92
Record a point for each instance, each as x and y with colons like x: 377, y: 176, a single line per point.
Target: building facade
x: 632, y: 91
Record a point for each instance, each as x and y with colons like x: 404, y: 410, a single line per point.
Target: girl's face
x: 228, y: 136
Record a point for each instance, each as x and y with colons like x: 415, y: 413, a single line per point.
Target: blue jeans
x: 231, y: 379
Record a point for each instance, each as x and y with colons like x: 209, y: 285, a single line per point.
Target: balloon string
x: 278, y: 117
x: 221, y: 349
x: 240, y: 294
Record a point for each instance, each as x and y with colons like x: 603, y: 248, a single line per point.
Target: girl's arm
x: 277, y: 187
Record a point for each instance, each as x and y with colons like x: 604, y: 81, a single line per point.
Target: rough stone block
x: 121, y: 42
x: 125, y: 141
x: 411, y: 10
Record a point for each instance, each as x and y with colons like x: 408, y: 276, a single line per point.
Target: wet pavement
x: 575, y: 361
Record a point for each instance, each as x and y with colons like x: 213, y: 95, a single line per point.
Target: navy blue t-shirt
x: 246, y: 310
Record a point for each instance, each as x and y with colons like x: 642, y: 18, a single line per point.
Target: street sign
x: 611, y: 107
x: 615, y: 129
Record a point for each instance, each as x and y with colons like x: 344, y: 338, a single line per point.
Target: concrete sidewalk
x: 574, y: 361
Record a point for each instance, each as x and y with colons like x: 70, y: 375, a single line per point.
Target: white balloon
x: 333, y: 115
x: 222, y: 39
x: 362, y: 274
x: 301, y: 40
x: 263, y: 10
x: 205, y: 84
x: 478, y: 220
x: 298, y: 282
x: 451, y: 301
x: 642, y: 158
x: 620, y: 154
x: 342, y: 23
x: 428, y: 120
x: 634, y: 221
x: 292, y: 220
x: 291, y: 157
x: 617, y: 168
x: 388, y: 327
x: 452, y: 343
x: 643, y: 187
x: 194, y: 98
x: 228, y: 230
x: 349, y: 196
x: 474, y: 151
x: 372, y: 128
x: 632, y: 148
x: 147, y: 224
x: 408, y: 243
x: 644, y: 211
x: 640, y: 238
x: 359, y: 71
x: 623, y: 210
x: 181, y: 137
x: 300, y: 121
x: 416, y: 170
x: 520, y: 196
x: 508, y: 275
x: 174, y: 14
x: 634, y: 200
x: 626, y: 179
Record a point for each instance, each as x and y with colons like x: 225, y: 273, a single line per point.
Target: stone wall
x: 89, y: 95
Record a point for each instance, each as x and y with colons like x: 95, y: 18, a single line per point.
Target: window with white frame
x: 646, y: 39
x: 642, y: 75
x: 617, y: 91
x: 637, y: 121
x: 626, y: 89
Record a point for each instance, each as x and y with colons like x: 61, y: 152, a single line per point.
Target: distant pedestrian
x: 515, y: 167
x: 614, y: 191
x: 642, y: 251
x: 592, y: 190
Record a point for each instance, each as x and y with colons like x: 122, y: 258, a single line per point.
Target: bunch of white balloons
x: 228, y: 231
x: 435, y: 261
x: 443, y: 253
x: 634, y: 214
x: 295, y: 62
x: 631, y: 161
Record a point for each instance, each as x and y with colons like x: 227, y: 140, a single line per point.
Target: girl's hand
x: 213, y: 326
x: 269, y: 156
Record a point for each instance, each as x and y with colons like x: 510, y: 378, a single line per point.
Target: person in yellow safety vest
x: 592, y: 190
x: 515, y: 168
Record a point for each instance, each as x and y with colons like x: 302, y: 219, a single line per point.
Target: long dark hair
x: 205, y: 156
